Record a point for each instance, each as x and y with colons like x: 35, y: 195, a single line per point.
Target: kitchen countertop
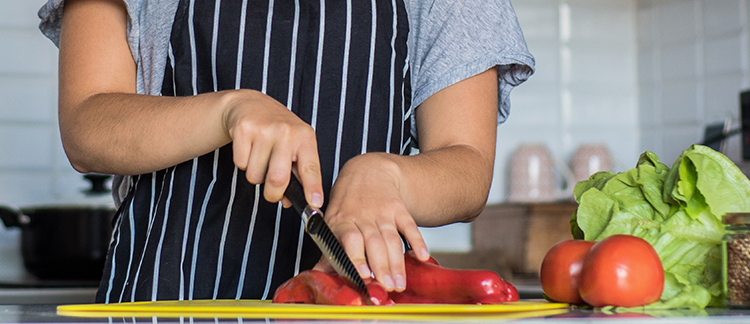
x: 46, y: 313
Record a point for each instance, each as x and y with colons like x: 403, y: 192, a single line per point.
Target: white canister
x: 534, y: 174
x: 590, y: 158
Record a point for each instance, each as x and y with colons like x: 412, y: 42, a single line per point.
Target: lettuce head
x: 677, y: 209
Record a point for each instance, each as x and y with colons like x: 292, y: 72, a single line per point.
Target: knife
x: 318, y: 230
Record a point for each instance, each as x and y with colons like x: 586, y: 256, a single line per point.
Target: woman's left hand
x: 376, y: 196
x: 367, y: 214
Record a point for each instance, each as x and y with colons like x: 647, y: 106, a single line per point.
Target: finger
x: 278, y: 173
x: 257, y: 165
x: 308, y: 170
x: 412, y: 235
x: 395, y: 256
x: 285, y: 202
x: 377, y: 256
x: 241, y: 148
x: 324, y: 266
x: 354, y: 246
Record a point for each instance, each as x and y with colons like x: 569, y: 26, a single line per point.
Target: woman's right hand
x: 106, y: 127
x: 267, y: 139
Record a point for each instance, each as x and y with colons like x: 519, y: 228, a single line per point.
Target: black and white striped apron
x: 199, y: 230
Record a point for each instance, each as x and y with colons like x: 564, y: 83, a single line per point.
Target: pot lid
x: 96, y: 194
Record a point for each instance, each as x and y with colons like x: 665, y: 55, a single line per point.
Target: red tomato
x: 561, y: 269
x: 621, y: 270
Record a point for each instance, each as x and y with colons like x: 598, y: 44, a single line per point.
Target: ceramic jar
x: 534, y: 174
x: 589, y: 159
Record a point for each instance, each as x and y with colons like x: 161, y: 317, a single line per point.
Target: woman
x: 203, y: 105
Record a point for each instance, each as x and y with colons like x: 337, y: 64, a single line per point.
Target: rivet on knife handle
x: 318, y: 230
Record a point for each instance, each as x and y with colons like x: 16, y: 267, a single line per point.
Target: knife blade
x: 318, y: 230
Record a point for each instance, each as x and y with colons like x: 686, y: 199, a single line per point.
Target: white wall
x: 31, y: 165
x: 28, y: 97
x: 585, y: 86
x: 693, y: 60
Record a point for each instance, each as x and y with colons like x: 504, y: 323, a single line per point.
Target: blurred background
x: 627, y: 75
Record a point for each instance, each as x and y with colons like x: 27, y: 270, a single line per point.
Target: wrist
x: 379, y: 166
x: 228, y: 103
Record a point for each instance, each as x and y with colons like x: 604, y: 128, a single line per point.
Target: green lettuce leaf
x: 678, y: 210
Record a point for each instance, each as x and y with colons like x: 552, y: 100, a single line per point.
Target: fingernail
x: 365, y: 270
x: 317, y: 200
x: 388, y: 282
x: 424, y: 253
x: 400, y: 282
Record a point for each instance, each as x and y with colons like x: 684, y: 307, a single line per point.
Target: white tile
x: 602, y: 21
x: 547, y: 57
x: 721, y: 97
x: 538, y: 18
x: 721, y: 17
x: 647, y: 66
x: 723, y: 55
x: 599, y: 109
x: 649, y: 112
x: 675, y: 140
x: 59, y: 158
x: 19, y: 13
x: 449, y: 238
x: 28, y: 99
x: 679, y: 102
x: 26, y: 147
x: 651, y: 140
x: 533, y: 105
x: 27, y: 53
x: 597, y: 65
x: 23, y: 189
x: 510, y: 135
x: 677, y: 21
x: 646, y: 31
x: 678, y: 61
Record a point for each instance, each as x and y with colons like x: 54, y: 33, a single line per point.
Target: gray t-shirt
x: 449, y: 41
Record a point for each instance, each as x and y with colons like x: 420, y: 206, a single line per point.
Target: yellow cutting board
x: 266, y: 309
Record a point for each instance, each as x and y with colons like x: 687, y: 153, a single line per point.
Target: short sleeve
x: 51, y: 19
x: 453, y: 40
x: 50, y: 15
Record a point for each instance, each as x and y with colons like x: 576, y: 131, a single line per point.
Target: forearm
x: 438, y: 187
x: 130, y: 134
x: 446, y: 185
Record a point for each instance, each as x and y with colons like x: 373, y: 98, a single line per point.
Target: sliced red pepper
x: 317, y: 287
x: 428, y: 282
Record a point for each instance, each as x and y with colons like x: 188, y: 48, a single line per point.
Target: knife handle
x: 296, y: 194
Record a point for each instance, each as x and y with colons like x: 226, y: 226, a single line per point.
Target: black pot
x: 63, y: 242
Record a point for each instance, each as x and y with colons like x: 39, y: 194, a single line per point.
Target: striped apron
x: 199, y: 230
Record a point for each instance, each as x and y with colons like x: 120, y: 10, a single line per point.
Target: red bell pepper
x: 317, y: 287
x: 426, y: 282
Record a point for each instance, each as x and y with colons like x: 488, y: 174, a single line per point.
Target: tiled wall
x: 31, y: 162
x: 585, y: 86
x: 632, y: 74
x: 30, y: 156
x: 694, y: 57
